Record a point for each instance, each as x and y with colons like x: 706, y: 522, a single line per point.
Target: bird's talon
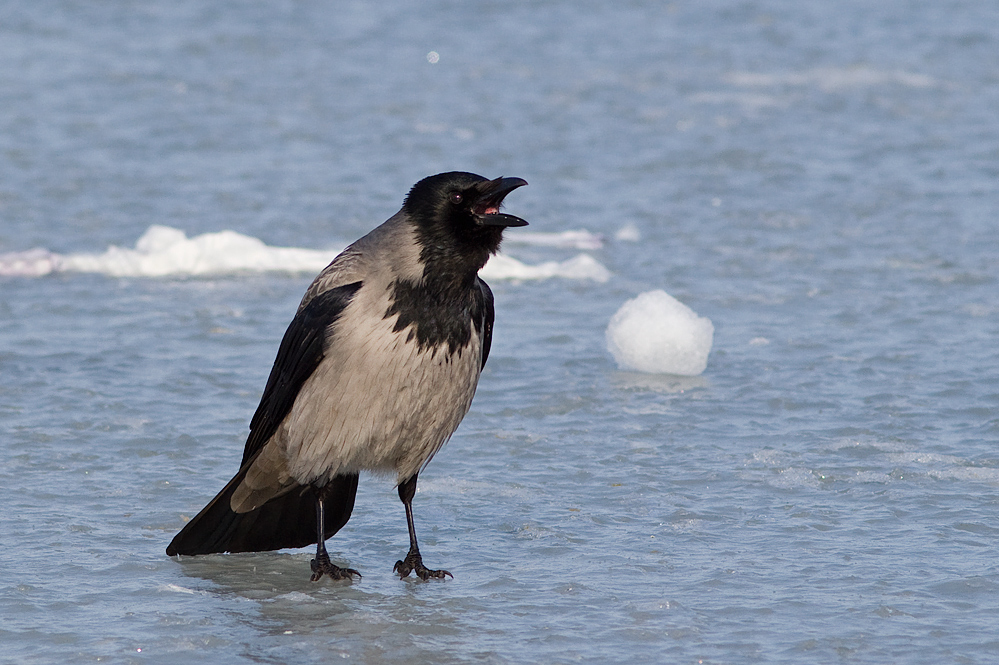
x: 323, y: 566
x: 414, y: 563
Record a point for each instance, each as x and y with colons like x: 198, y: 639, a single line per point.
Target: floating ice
x: 577, y: 239
x: 30, y: 263
x: 657, y: 333
x: 164, y: 251
x: 581, y: 266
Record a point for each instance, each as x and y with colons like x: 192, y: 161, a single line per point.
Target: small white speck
x: 628, y: 233
x: 433, y: 57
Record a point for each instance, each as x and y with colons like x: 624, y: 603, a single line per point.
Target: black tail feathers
x: 288, y: 520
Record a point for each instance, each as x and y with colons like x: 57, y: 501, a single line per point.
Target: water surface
x: 818, y: 179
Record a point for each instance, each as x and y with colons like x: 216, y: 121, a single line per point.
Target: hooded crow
x: 374, y: 373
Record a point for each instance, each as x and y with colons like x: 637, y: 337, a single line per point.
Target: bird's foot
x: 414, y: 563
x: 321, y: 565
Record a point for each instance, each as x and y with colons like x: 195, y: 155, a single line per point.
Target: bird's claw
x: 322, y: 566
x: 414, y: 563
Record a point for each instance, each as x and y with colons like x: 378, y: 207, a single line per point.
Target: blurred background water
x: 817, y: 178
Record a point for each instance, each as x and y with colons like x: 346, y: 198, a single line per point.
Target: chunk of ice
x: 163, y: 251
x: 582, y: 266
x: 658, y: 334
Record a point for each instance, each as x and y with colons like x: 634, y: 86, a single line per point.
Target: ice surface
x: 830, y: 496
x: 657, y: 333
x: 165, y: 251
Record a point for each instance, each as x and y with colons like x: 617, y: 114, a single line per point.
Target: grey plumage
x: 375, y: 373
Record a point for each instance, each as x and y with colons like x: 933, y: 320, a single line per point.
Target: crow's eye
x: 456, y: 197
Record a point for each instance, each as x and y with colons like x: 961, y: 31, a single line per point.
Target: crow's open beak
x: 491, y: 194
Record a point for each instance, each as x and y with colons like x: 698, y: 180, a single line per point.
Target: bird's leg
x: 321, y: 565
x: 413, y: 561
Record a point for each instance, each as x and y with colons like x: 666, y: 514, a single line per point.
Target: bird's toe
x: 413, y: 563
x: 426, y: 574
x: 323, y: 566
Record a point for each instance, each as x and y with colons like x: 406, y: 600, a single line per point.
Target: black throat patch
x: 437, y: 316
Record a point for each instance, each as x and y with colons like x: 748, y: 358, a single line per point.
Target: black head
x: 458, y: 219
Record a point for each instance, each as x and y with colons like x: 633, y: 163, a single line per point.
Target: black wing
x: 301, y: 351
x: 488, y: 315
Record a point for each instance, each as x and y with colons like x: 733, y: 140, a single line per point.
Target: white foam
x: 657, y: 333
x: 163, y: 251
